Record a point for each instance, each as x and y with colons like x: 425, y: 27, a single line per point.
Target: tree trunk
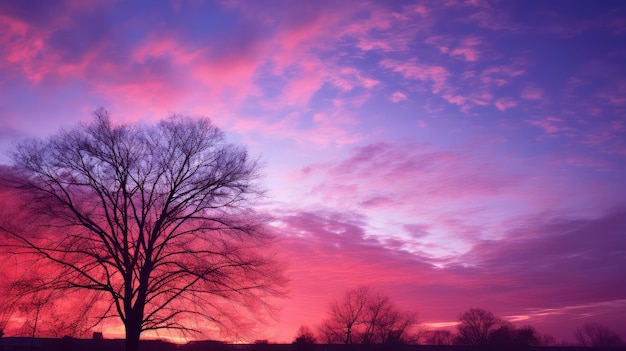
x: 133, y: 332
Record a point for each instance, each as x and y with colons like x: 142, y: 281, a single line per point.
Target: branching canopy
x: 157, y: 218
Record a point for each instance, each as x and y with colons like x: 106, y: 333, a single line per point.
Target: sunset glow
x: 453, y: 154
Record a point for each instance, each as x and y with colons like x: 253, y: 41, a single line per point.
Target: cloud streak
x: 520, y: 273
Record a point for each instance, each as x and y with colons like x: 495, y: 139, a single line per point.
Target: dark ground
x: 70, y: 344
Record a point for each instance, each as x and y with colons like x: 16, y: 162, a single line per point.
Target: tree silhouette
x: 154, y: 218
x: 385, y: 323
x: 305, y: 339
x: 597, y: 335
x: 345, y: 316
x: 7, y: 306
x: 7, y: 301
x: 305, y: 336
x: 475, y: 326
x: 508, y: 337
x: 363, y: 316
x: 438, y: 337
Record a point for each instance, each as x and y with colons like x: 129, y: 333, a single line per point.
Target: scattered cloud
x: 505, y: 103
x: 550, y: 125
x: 532, y: 93
x: 397, y: 96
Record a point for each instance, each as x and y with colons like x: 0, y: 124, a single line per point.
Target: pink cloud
x: 486, y: 15
x: 418, y: 8
x: 471, y: 88
x: 300, y: 89
x: 455, y: 99
x: 440, y: 42
x: 377, y: 201
x: 347, y: 78
x: 582, y: 161
x: 618, y: 125
x: 501, y: 75
x: 550, y: 243
x: 157, y: 47
x: 468, y: 54
x: 22, y: 46
x: 229, y: 69
x: 389, y: 31
x: 407, y: 173
x: 51, y: 65
x: 30, y: 39
x: 329, y: 129
x: 550, y: 125
x: 614, y: 95
x: 437, y: 75
x: 598, y: 137
x: 546, y: 265
x: 214, y: 74
x: 505, y: 103
x: 532, y: 93
x: 467, y: 102
x: 397, y: 96
x: 467, y: 49
x: 294, y: 46
x: 330, y: 253
x: 465, y: 192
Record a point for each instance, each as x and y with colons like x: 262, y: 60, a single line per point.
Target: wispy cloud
x: 397, y: 96
x: 545, y: 262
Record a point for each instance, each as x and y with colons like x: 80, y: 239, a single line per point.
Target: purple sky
x: 454, y: 154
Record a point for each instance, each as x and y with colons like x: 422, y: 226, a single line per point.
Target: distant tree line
x: 363, y: 316
x: 597, y: 335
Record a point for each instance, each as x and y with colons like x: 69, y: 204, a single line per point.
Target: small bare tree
x: 7, y: 306
x: 597, y: 335
x: 475, y: 326
x: 33, y: 309
x: 439, y: 337
x: 345, y: 316
x: 363, y: 316
x: 156, y: 218
x: 385, y: 323
x: 305, y: 336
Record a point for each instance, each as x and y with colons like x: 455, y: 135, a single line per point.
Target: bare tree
x: 439, y: 337
x: 385, y: 323
x: 35, y: 306
x: 363, y: 316
x: 376, y: 317
x: 475, y: 326
x: 597, y: 335
x: 155, y: 218
x: 507, y: 336
x: 528, y: 336
x: 42, y: 312
x: 7, y: 306
x: 345, y: 316
x: 305, y: 336
x: 7, y: 298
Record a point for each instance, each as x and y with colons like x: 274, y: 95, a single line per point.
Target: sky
x: 453, y: 154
